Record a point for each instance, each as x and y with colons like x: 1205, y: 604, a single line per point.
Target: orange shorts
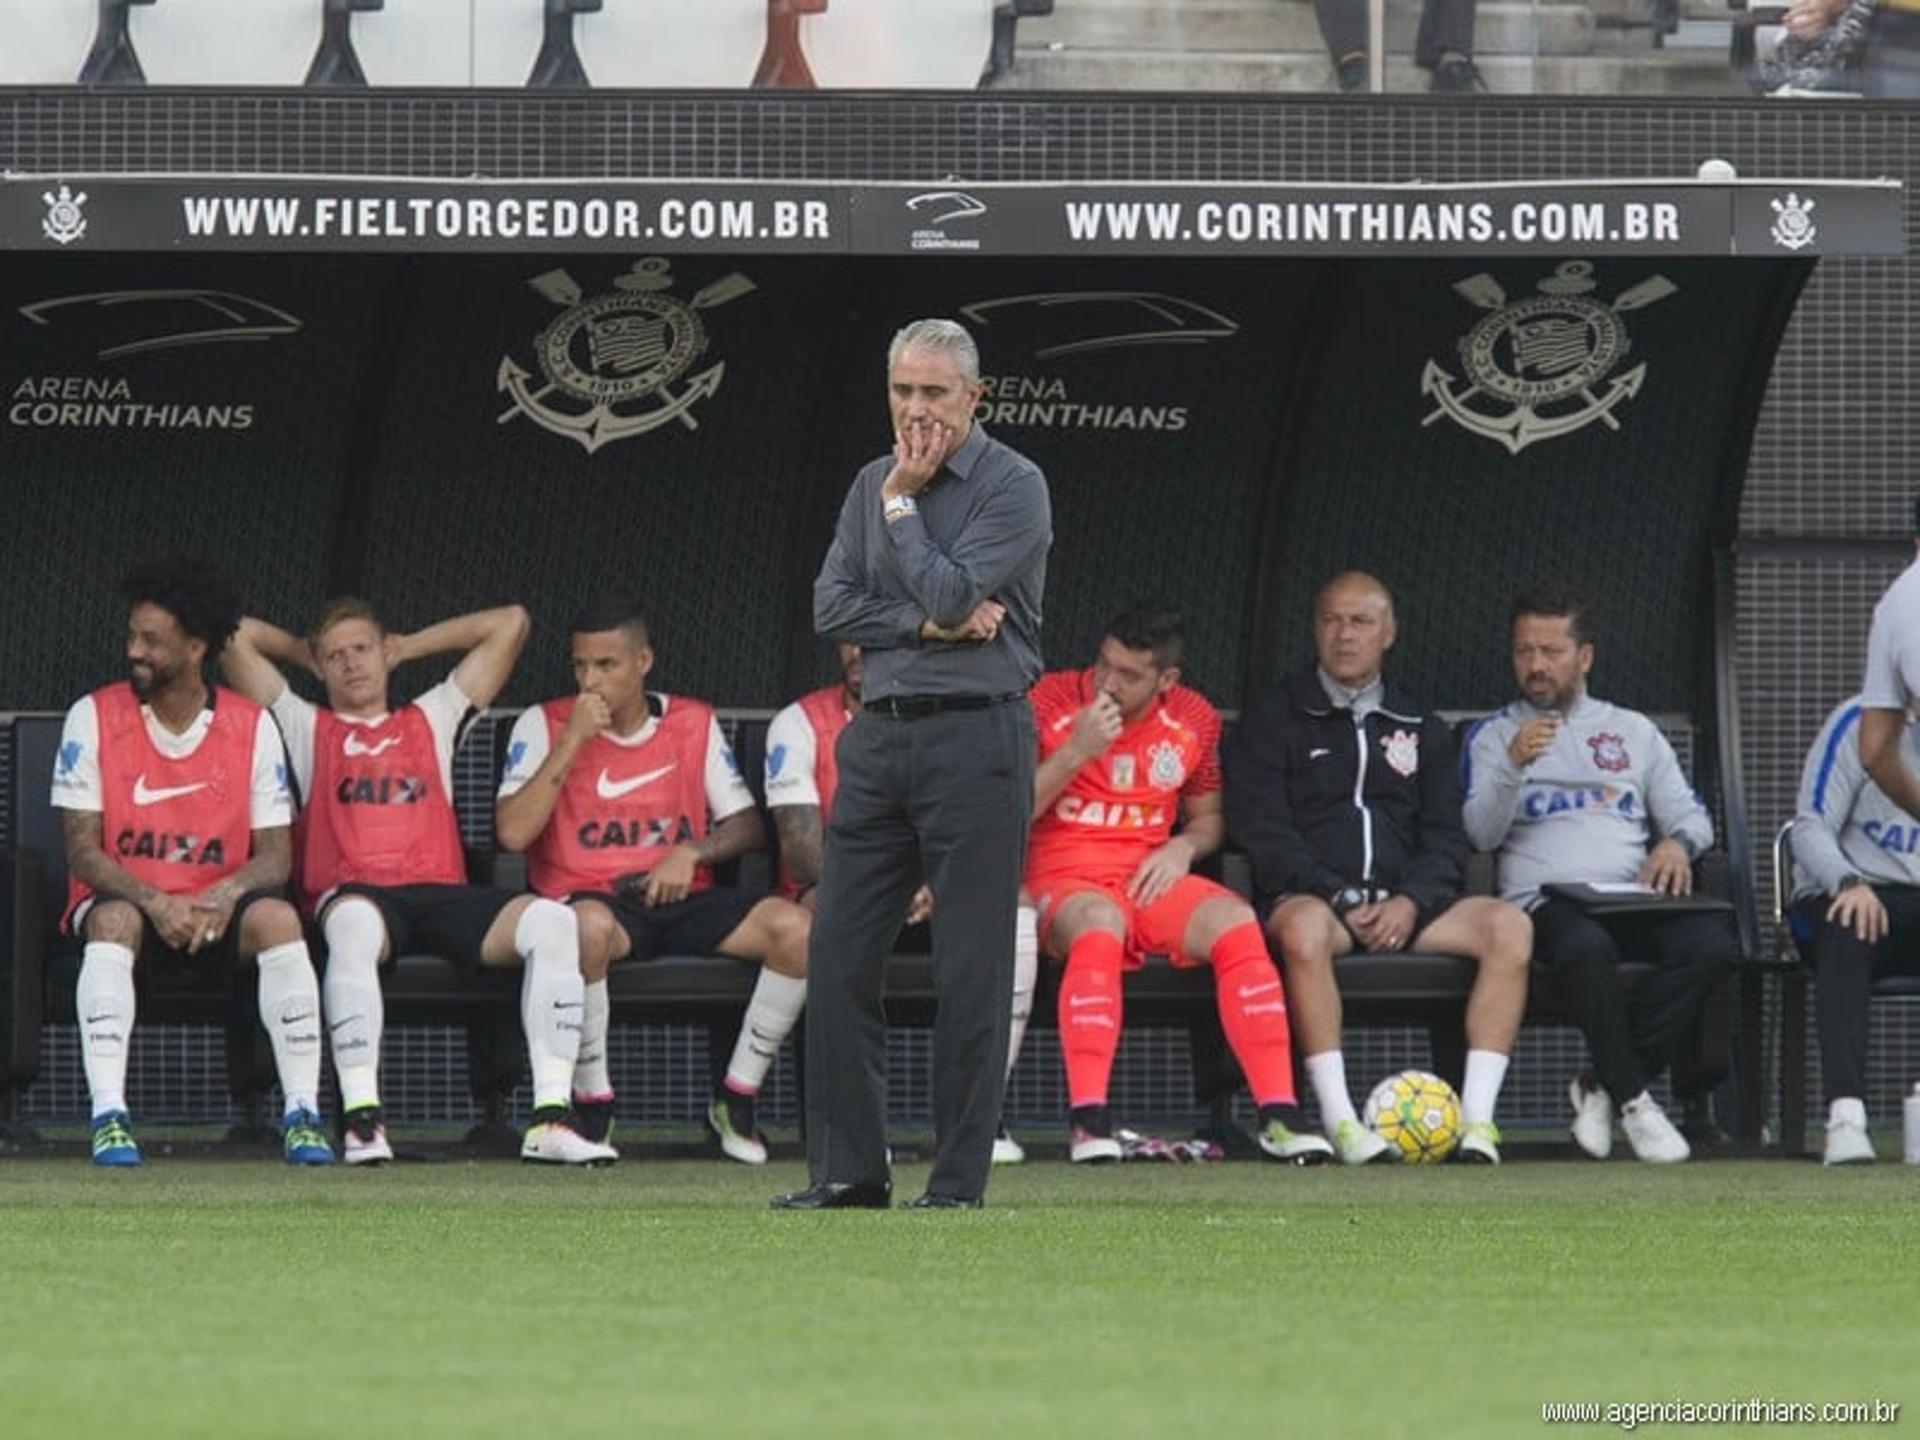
x: 1156, y: 929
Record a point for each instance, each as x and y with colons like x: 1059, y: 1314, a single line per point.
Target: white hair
x: 947, y: 337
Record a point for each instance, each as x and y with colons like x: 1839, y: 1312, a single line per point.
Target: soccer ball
x: 1418, y: 1113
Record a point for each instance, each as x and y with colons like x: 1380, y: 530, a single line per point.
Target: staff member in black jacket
x: 1345, y: 796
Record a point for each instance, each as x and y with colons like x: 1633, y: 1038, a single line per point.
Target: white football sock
x: 290, y: 1009
x: 1328, y: 1072
x: 1026, y: 970
x: 356, y: 1013
x: 1486, y: 1069
x: 552, y: 997
x: 775, y: 1005
x: 591, y: 1076
x: 105, y: 1000
x: 1848, y: 1110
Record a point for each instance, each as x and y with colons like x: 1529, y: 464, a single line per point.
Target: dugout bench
x: 39, y: 967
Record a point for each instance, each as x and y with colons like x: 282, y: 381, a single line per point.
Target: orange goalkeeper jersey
x: 1123, y: 804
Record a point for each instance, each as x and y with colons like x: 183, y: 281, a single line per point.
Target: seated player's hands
x: 175, y: 921
x: 920, y: 907
x: 1858, y: 909
x: 671, y: 881
x: 1163, y: 866
x: 591, y: 714
x: 212, y: 913
x: 1095, y: 728
x: 1385, y: 927
x: 920, y: 448
x: 1533, y: 739
x: 1668, y: 869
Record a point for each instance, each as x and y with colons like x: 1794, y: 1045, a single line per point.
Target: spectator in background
x: 1444, y: 46
x: 1856, y: 899
x: 1891, y: 69
x: 191, y: 783
x: 1345, y: 796
x: 1566, y: 788
x: 624, y: 799
x: 381, y: 864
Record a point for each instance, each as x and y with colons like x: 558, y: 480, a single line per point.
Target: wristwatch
x: 1847, y: 882
x: 1349, y: 897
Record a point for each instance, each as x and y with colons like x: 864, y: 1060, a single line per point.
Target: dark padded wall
x: 1267, y: 432
x: 1455, y: 523
x: 262, y: 492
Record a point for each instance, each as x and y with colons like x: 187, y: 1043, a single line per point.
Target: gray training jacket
x: 1588, y: 810
x: 1845, y: 824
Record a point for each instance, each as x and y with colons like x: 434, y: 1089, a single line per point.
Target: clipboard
x: 1634, y: 900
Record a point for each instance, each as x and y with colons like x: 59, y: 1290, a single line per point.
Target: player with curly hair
x: 174, y: 801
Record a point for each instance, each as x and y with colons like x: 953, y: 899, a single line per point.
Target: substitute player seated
x: 1856, y: 906
x: 624, y: 800
x: 173, y: 800
x: 381, y: 866
x: 1125, y: 752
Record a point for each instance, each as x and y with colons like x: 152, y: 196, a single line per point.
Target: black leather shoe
x: 836, y: 1195
x: 933, y: 1201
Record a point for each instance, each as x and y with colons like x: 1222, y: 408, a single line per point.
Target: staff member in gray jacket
x: 936, y: 571
x: 1566, y: 788
x: 1856, y: 896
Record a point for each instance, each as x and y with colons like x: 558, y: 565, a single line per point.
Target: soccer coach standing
x: 937, y: 569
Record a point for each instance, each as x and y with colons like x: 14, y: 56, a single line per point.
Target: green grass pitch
x: 212, y: 1298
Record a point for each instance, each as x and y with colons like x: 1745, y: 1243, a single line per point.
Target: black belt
x: 913, y: 707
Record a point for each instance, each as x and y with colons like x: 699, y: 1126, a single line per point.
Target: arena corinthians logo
x: 613, y: 363
x: 116, y: 324
x: 1080, y: 322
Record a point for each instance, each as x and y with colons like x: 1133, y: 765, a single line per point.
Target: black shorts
x: 217, y: 959
x: 693, y: 926
x: 1423, y: 917
x: 448, y: 920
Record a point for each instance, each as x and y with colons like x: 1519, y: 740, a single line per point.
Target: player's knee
x: 267, y: 923
x: 1100, y: 913
x: 1509, y: 938
x: 596, y: 927
x: 788, y: 929
x: 1215, y: 918
x: 1304, y: 932
x: 115, y: 922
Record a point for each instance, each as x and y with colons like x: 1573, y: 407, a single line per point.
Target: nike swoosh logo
x: 1316, y: 754
x: 339, y: 1024
x: 143, y: 796
x: 1076, y: 1001
x: 566, y: 1005
x: 353, y: 746
x: 612, y: 789
x: 1247, y: 992
x: 96, y: 1019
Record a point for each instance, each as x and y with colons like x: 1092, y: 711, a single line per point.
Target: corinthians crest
x: 1543, y: 366
x: 613, y: 363
x: 64, y: 222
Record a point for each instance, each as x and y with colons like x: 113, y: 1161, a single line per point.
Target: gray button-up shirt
x: 983, y: 530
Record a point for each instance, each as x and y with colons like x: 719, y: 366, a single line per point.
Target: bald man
x: 1344, y: 794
